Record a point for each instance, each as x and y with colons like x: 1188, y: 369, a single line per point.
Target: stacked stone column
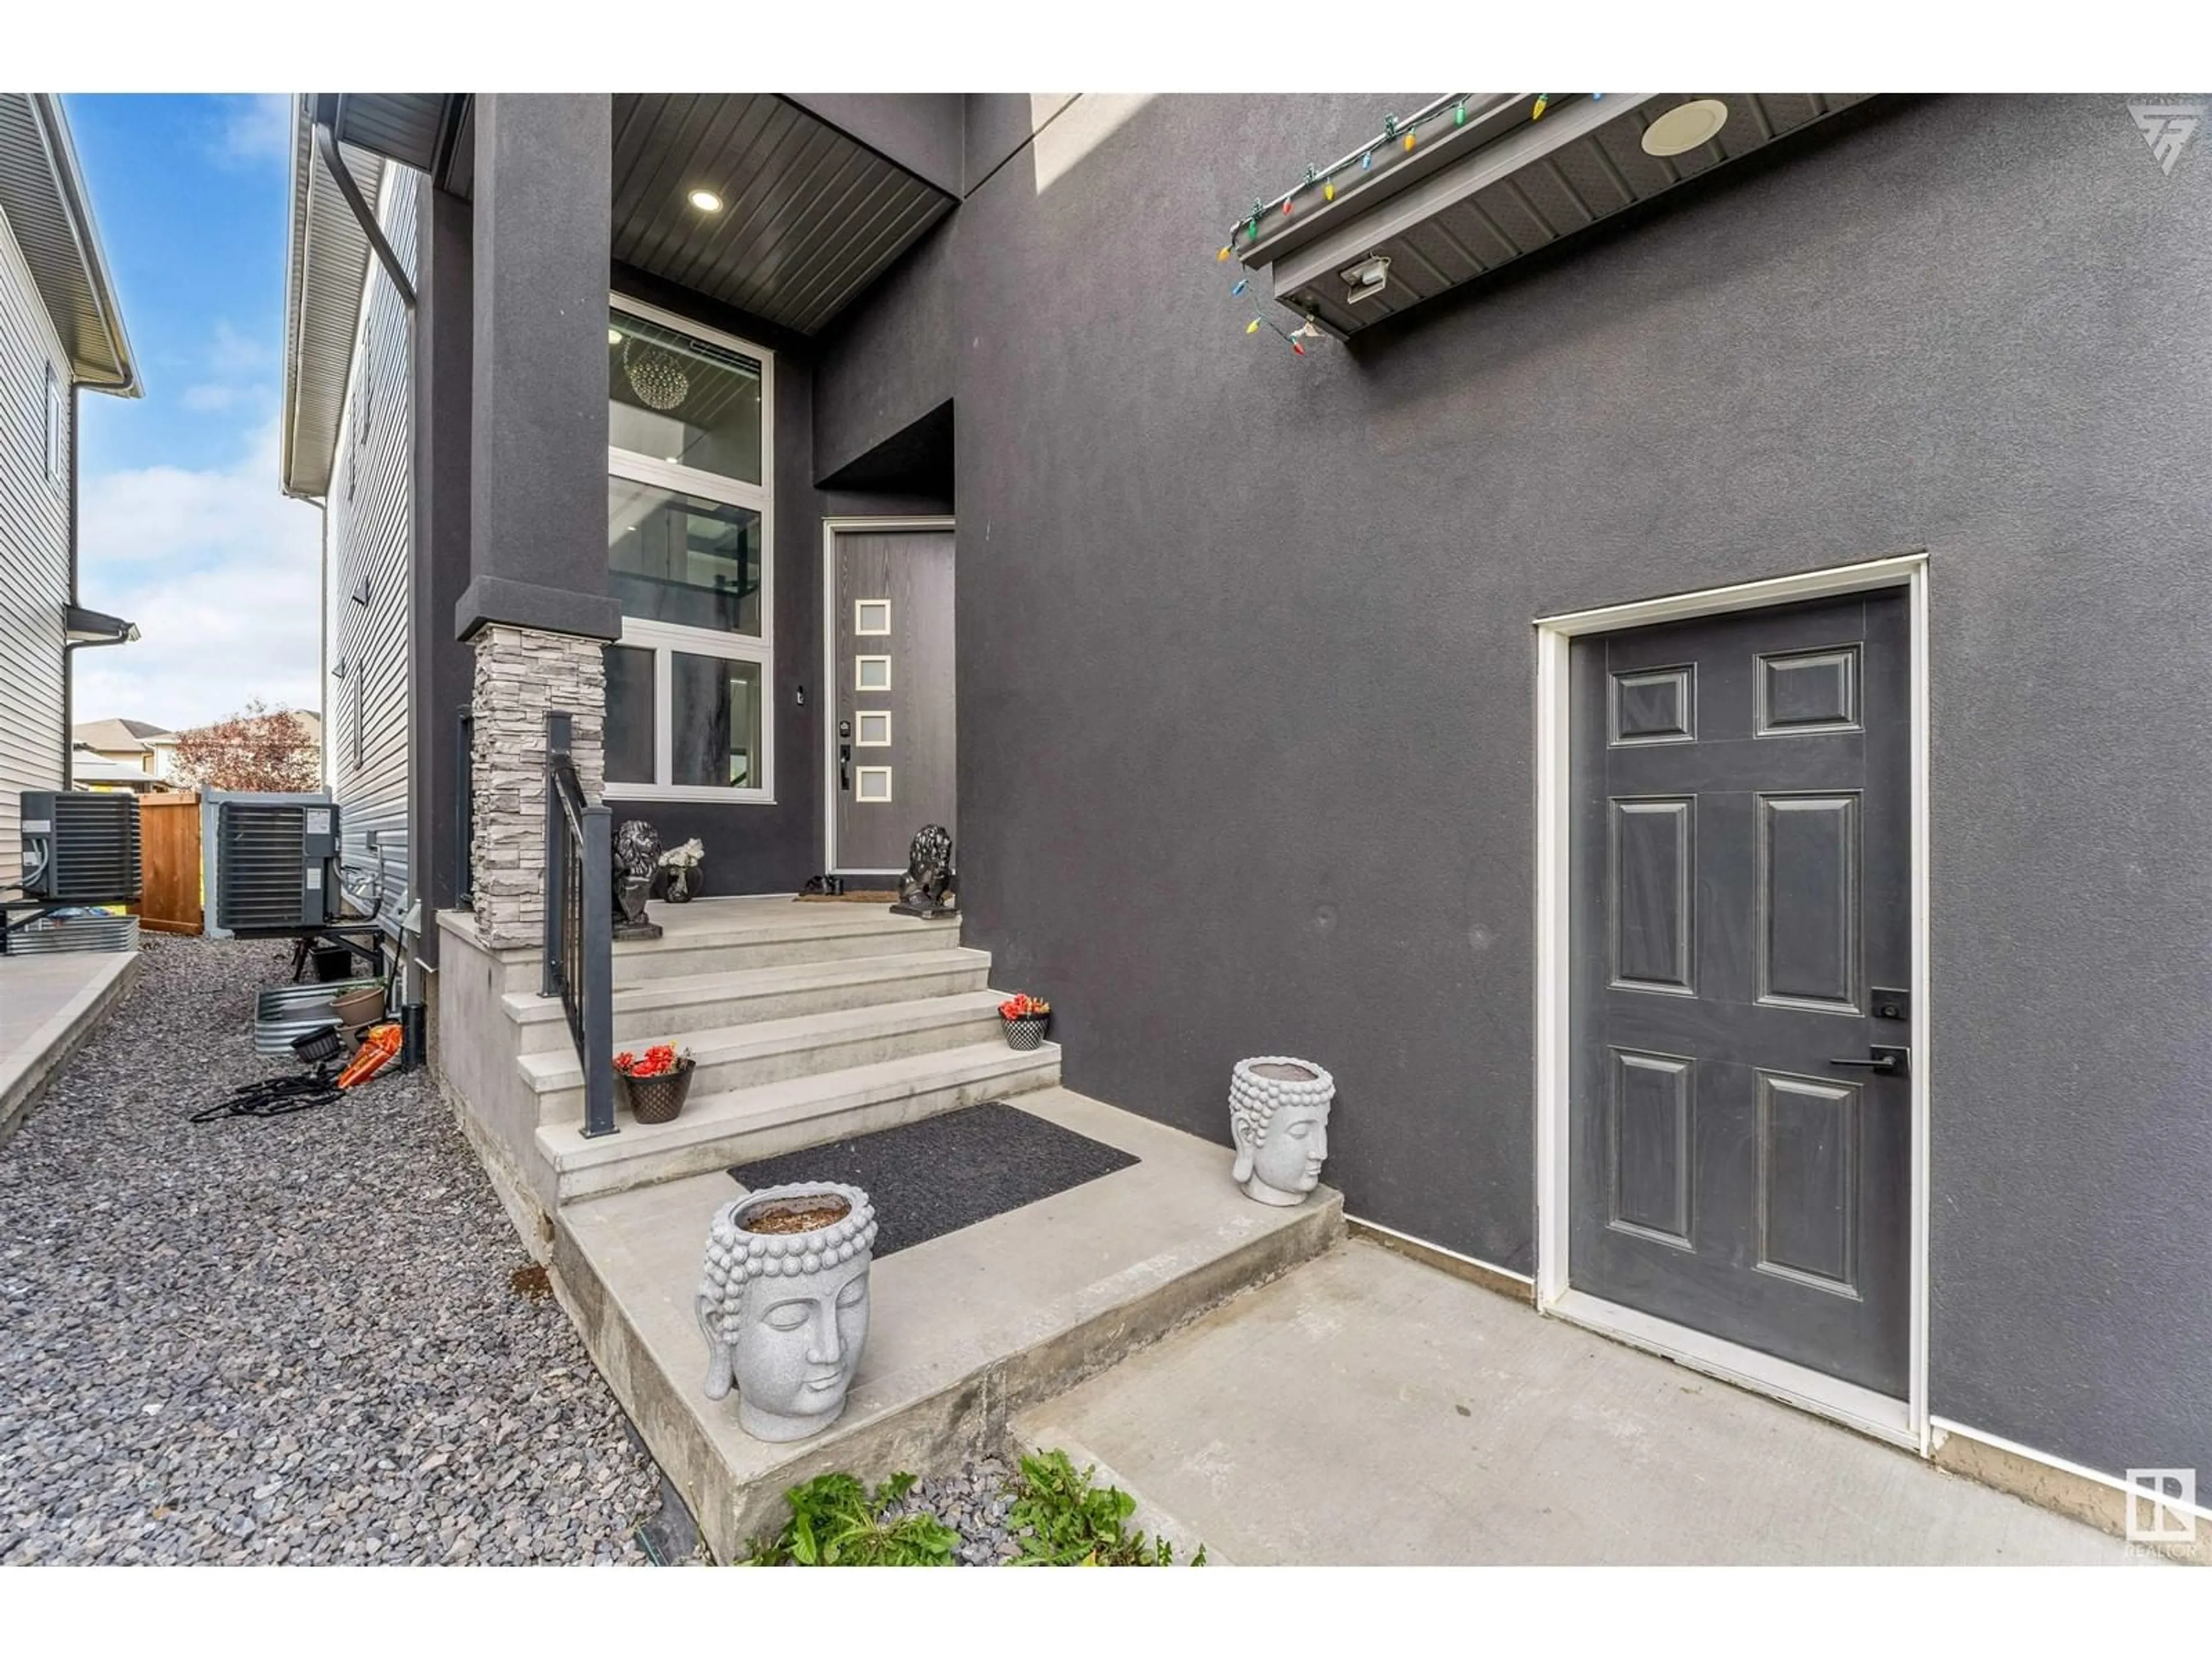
x: 523, y: 674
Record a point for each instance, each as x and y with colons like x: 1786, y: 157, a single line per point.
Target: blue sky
x: 184, y: 531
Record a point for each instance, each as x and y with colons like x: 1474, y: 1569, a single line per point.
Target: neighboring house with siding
x: 136, y: 745
x: 60, y: 332
x: 347, y: 445
x: 1669, y: 694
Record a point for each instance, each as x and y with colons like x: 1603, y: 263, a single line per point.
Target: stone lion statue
x: 927, y: 886
x: 637, y: 854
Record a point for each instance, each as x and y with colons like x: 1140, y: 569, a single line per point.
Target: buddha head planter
x: 784, y: 1304
x: 1278, y: 1116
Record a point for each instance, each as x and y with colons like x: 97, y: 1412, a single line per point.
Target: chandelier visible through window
x: 656, y: 375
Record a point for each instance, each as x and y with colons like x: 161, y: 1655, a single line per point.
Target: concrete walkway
x: 47, y: 1004
x: 1367, y: 1409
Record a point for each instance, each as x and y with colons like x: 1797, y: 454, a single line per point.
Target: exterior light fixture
x: 1685, y: 127
x: 705, y: 201
x: 613, y: 337
x: 1366, y: 279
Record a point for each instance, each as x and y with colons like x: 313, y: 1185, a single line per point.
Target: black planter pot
x: 682, y: 884
x: 1025, y: 1031
x: 657, y: 1099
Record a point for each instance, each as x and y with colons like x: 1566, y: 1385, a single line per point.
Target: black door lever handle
x: 845, y: 766
x: 1890, y: 1061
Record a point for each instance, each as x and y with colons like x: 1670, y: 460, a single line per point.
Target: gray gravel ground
x: 288, y: 1340
x: 973, y: 1501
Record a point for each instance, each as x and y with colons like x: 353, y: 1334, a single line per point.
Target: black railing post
x: 599, y: 991
x: 552, y: 976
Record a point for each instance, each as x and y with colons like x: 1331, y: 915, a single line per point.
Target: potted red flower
x: 1024, y: 1017
x: 653, y: 1085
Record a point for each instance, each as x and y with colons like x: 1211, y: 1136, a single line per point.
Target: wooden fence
x: 169, y: 850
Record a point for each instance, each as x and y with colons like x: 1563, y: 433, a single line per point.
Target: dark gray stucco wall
x: 890, y: 358
x: 922, y: 131
x: 538, y: 426
x: 1247, y: 670
x: 441, y: 670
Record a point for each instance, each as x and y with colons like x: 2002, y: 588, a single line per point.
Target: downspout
x: 326, y: 146
x: 412, y: 1013
x: 69, y: 661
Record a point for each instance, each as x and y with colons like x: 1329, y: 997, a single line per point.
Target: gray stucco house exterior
x: 1678, y: 693
x: 61, y: 331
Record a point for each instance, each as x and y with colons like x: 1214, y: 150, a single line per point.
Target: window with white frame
x: 690, y: 513
x: 57, y: 426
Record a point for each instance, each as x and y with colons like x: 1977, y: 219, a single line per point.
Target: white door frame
x: 1905, y: 1422
x: 832, y: 685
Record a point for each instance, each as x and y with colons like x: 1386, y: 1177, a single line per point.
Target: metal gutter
x: 84, y: 229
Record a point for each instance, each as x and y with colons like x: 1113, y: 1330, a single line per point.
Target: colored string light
x: 1223, y: 254
x: 1543, y: 103
x: 1459, y: 113
x: 1242, y: 283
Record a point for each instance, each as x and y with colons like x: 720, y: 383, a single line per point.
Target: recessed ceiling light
x: 1686, y: 126
x: 705, y: 201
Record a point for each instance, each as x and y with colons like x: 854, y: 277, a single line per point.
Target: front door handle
x: 1889, y: 1061
x: 845, y: 766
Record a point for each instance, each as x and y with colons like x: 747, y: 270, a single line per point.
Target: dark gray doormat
x: 947, y: 1172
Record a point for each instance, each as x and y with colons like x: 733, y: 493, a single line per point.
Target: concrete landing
x: 47, y: 1004
x: 964, y: 1328
x: 1368, y: 1409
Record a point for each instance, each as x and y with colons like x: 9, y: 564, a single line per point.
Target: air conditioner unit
x: 275, y: 865
x: 81, y: 847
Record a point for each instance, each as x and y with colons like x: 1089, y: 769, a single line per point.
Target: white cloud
x: 257, y: 128
x: 223, y: 576
x: 209, y: 396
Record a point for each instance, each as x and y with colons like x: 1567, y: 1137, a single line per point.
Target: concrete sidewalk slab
x: 1363, y: 1408
x: 47, y: 1004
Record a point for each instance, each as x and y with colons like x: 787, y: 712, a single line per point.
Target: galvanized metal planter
x: 51, y: 935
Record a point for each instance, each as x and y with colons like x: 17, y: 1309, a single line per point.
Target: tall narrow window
x: 57, y: 427
x: 690, y: 514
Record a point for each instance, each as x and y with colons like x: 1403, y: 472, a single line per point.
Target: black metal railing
x: 580, y: 920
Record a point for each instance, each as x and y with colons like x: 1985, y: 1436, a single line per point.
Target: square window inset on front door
x: 875, y: 729
x: 872, y: 616
x: 871, y: 673
x: 871, y: 783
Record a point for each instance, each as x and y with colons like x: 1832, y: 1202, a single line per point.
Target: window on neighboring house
x: 56, y: 427
x: 690, y: 517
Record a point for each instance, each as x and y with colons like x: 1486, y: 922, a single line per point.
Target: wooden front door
x: 1741, y: 1125
x: 891, y: 664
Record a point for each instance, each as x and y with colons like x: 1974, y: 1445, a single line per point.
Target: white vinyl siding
x: 368, y: 537
x: 34, y: 552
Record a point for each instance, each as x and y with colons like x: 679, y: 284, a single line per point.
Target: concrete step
x: 965, y: 1330
x: 709, y: 936
x: 720, y: 1128
x: 652, y: 1010
x: 744, y: 1056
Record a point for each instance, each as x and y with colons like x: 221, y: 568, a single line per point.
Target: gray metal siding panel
x: 34, y: 566
x: 367, y: 529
